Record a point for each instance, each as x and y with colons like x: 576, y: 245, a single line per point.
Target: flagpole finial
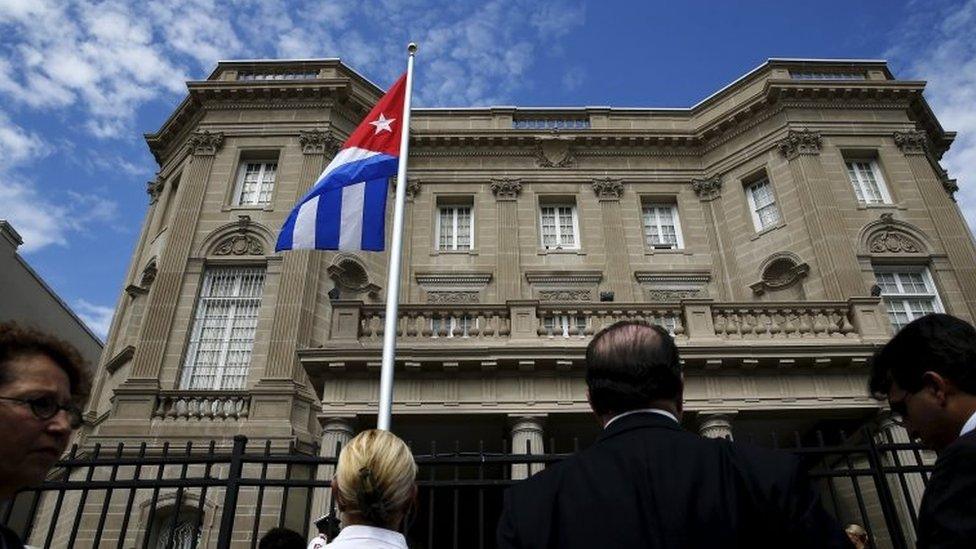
x: 412, y: 48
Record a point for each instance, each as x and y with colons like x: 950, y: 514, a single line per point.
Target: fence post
x: 230, y: 494
x: 888, y: 508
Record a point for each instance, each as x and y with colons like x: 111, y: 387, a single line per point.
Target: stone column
x: 509, y: 274
x: 709, y: 191
x: 948, y: 221
x: 838, y: 266
x: 716, y: 424
x: 910, y: 492
x: 527, y: 438
x: 619, y: 273
x: 406, y: 287
x: 336, y: 433
x: 293, y: 312
x: 165, y: 290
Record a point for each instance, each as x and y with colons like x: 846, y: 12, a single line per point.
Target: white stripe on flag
x: 351, y: 227
x: 303, y: 238
x: 345, y: 156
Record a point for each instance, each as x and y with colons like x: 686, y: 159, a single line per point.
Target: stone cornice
x: 563, y: 277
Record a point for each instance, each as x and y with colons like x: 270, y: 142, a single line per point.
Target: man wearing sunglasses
x: 927, y: 372
x: 42, y: 382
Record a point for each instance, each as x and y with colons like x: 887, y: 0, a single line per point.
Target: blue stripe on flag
x: 327, y: 220
x: 374, y: 214
x: 287, y: 231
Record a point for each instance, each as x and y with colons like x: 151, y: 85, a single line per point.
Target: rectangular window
x: 868, y: 184
x: 762, y: 204
x: 255, y: 182
x: 662, y: 229
x: 908, y: 293
x: 454, y: 228
x: 559, y: 325
x: 222, y: 335
x: 559, y: 227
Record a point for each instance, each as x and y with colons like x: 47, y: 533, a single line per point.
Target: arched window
x: 179, y: 534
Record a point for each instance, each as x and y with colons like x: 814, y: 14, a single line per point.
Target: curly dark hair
x: 938, y: 343
x: 18, y: 341
x: 630, y: 364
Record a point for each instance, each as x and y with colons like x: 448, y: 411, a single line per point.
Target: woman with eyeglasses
x: 42, y: 382
x: 375, y: 491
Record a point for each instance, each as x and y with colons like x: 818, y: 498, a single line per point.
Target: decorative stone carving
x: 349, y: 273
x: 242, y: 243
x: 413, y: 186
x: 949, y: 185
x: 564, y: 295
x: 894, y: 242
x: 505, y: 188
x: 453, y: 297
x: 799, y: 142
x: 673, y: 286
x: 780, y: 271
x: 148, y: 274
x: 555, y: 152
x: 608, y: 188
x: 205, y: 143
x: 318, y: 142
x: 911, y: 142
x: 672, y: 295
x: 154, y: 188
x: 707, y: 189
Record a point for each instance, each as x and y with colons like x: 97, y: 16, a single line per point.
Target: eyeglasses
x: 899, y: 408
x: 45, y: 408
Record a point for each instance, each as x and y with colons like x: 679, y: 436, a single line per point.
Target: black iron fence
x: 228, y: 496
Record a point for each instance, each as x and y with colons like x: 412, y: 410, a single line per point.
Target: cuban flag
x: 346, y: 208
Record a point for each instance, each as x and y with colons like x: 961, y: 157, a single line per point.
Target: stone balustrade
x: 691, y: 321
x: 189, y: 406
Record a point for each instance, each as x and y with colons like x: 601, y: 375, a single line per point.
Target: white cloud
x: 939, y: 45
x: 17, y: 145
x: 98, y: 318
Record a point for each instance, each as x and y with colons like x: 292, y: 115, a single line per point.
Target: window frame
x: 860, y: 186
x: 904, y: 297
x: 754, y: 210
x: 675, y: 218
x: 560, y: 324
x: 242, y: 163
x: 574, y: 212
x: 454, y: 221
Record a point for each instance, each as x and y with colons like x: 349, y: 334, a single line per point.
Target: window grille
x: 765, y: 213
x: 256, y: 183
x: 222, y: 335
x: 908, y: 294
x: 868, y: 184
x: 551, y: 124
x: 454, y: 228
x: 559, y: 227
x: 662, y: 229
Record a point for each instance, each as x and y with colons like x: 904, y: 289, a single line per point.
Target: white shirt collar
x: 969, y: 426
x: 657, y: 411
x: 362, y: 532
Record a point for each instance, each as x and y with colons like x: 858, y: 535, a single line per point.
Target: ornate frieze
x: 608, y: 188
x: 205, y: 143
x: 564, y: 295
x: 555, y: 152
x: 707, y: 189
x: 673, y: 286
x: 318, y: 142
x: 456, y: 297
x: 911, y: 142
x: 799, y: 142
x: 505, y: 188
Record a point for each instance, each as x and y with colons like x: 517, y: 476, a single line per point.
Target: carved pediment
x: 894, y: 242
x: 555, y: 152
x: 241, y: 238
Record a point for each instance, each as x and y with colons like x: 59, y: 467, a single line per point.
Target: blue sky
x: 81, y: 81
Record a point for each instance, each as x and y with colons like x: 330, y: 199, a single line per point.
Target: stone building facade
x: 778, y: 228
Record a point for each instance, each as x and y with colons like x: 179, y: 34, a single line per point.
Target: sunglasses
x: 45, y: 408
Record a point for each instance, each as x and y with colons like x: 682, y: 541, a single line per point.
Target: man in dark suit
x: 648, y: 483
x: 927, y: 372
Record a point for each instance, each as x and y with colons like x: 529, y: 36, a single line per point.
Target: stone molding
x: 911, y: 142
x: 780, y: 271
x: 149, y: 274
x: 154, y: 188
x: 242, y: 243
x: 707, y: 189
x: 949, y: 184
x: 563, y: 277
x: 205, y: 143
x: 673, y: 286
x: 318, y: 142
x: 555, y: 152
x: 453, y: 297
x: 888, y: 235
x: 350, y: 273
x: 450, y: 279
x: 413, y: 186
x: 505, y: 188
x: 608, y: 189
x: 799, y: 142
x: 565, y: 295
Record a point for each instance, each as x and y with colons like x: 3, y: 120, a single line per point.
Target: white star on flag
x: 382, y: 124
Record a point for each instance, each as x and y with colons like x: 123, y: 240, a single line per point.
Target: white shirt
x: 969, y: 425
x: 318, y: 542
x: 358, y: 536
x: 657, y: 411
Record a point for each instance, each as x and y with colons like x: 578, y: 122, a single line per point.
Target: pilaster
x: 709, y: 191
x: 509, y: 274
x: 164, y: 293
x: 832, y: 247
x: 618, y: 269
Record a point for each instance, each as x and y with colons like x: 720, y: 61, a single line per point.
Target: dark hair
x: 282, y: 538
x: 934, y: 343
x: 629, y: 364
x: 17, y: 342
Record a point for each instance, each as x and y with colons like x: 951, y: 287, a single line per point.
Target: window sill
x: 767, y: 230
x: 892, y: 206
x: 673, y: 251
x: 563, y: 251
x: 453, y: 252
x: 254, y: 208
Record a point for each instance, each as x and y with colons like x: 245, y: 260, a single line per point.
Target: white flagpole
x: 396, y: 251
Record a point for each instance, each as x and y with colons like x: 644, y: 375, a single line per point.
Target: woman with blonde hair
x: 375, y: 490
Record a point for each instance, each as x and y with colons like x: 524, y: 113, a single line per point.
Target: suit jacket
x: 947, y: 517
x: 8, y: 539
x: 648, y: 483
